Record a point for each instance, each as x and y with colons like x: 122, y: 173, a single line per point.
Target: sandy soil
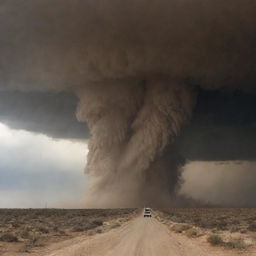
x: 139, y: 237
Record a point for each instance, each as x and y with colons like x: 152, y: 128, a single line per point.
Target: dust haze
x: 136, y: 68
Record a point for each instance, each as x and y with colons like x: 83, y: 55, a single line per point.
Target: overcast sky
x: 36, y: 170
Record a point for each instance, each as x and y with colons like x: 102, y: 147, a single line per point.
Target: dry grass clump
x: 179, y: 228
x: 193, y: 232
x: 115, y: 225
x: 34, y: 239
x: 214, y: 239
x: 98, y: 230
x: 234, y: 229
x: 252, y: 227
x: 236, y: 243
x: 97, y: 222
x: 232, y: 243
x: 42, y: 229
x: 8, y: 237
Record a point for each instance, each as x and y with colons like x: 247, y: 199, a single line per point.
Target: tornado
x: 132, y: 123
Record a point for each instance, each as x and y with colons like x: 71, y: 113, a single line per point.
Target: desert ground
x: 28, y: 231
x: 176, y: 232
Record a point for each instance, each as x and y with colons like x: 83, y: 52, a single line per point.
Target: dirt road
x: 139, y: 237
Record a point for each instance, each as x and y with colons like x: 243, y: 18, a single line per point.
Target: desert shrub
x: 8, y: 237
x: 98, y: 230
x: 42, y: 229
x: 252, y: 227
x: 61, y: 232
x: 214, y: 239
x: 236, y: 243
x: 235, y: 222
x: 97, y: 222
x: 115, y: 225
x: 179, y: 228
x: 176, y: 219
x: 55, y: 228
x: 25, y: 234
x: 15, y: 224
x: 34, y: 239
x: 24, y: 248
x: 250, y: 219
x: 221, y: 218
x: 234, y: 229
x: 196, y: 219
x: 79, y: 228
x: 203, y: 224
x: 192, y: 232
x: 222, y: 225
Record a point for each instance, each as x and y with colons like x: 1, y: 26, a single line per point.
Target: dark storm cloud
x: 57, y: 44
x: 222, y: 128
x: 48, y: 113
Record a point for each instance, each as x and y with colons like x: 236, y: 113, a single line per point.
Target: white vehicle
x: 147, y: 212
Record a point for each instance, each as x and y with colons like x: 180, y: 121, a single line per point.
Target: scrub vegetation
x: 232, y: 228
x: 23, y: 230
